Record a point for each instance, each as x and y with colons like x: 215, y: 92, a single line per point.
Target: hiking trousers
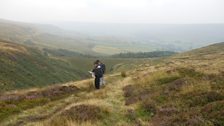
x: 97, y: 82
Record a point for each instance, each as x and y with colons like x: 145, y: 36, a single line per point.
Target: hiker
x: 103, y: 67
x: 98, y: 73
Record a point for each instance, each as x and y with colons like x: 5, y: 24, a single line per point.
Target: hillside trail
x: 109, y: 96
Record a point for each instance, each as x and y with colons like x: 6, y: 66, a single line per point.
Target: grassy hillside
x: 186, y: 89
x: 25, y: 67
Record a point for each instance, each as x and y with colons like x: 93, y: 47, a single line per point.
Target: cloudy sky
x: 114, y: 11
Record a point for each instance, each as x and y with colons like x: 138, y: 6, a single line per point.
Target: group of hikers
x: 98, y: 72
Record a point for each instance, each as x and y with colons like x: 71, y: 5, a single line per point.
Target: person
x: 98, y: 73
x: 103, y: 67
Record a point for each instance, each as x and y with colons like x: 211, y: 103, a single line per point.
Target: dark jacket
x: 103, y: 67
x: 98, y: 71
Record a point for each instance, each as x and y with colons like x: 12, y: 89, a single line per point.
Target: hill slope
x: 23, y: 67
x: 44, y: 36
x: 186, y: 89
x: 26, y: 67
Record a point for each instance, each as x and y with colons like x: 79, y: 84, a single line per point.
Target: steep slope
x: 186, y: 89
x: 26, y: 67
x: 23, y: 67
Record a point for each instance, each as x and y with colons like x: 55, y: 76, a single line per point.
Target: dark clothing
x: 97, y: 82
x: 103, y: 67
x: 98, y: 72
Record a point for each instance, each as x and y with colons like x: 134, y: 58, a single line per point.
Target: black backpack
x: 103, y: 67
x: 98, y: 71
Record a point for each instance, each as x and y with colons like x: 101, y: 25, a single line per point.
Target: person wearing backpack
x: 103, y: 67
x: 98, y: 73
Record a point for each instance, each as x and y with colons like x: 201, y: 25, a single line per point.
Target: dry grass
x: 12, y: 48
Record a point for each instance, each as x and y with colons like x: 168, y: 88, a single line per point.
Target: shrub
x: 123, y: 74
x: 85, y: 113
x: 149, y: 106
x: 190, y: 72
x: 214, y: 112
x: 201, y: 98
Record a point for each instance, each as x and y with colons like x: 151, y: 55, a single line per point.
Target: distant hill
x: 110, y: 39
x: 44, y: 36
x: 50, y: 36
x: 172, y: 37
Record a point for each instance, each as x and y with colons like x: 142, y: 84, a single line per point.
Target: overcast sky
x: 114, y: 11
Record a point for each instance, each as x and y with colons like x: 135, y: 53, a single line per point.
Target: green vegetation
x: 177, y: 99
x: 153, y: 54
x: 29, y: 68
x: 25, y: 67
x: 16, y: 103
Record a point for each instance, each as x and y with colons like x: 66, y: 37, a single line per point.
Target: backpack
x: 98, y: 71
x: 103, y: 67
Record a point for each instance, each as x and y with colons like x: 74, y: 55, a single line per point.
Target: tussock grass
x: 176, y: 97
x: 15, y: 103
x: 85, y: 113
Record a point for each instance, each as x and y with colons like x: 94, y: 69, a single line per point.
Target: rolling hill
x: 53, y: 37
x: 108, y: 39
x: 185, y: 89
x: 44, y: 36
x: 148, y: 37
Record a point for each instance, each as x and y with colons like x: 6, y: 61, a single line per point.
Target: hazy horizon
x: 121, y: 25
x: 114, y: 11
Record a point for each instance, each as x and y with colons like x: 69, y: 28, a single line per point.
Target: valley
x: 111, y: 63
